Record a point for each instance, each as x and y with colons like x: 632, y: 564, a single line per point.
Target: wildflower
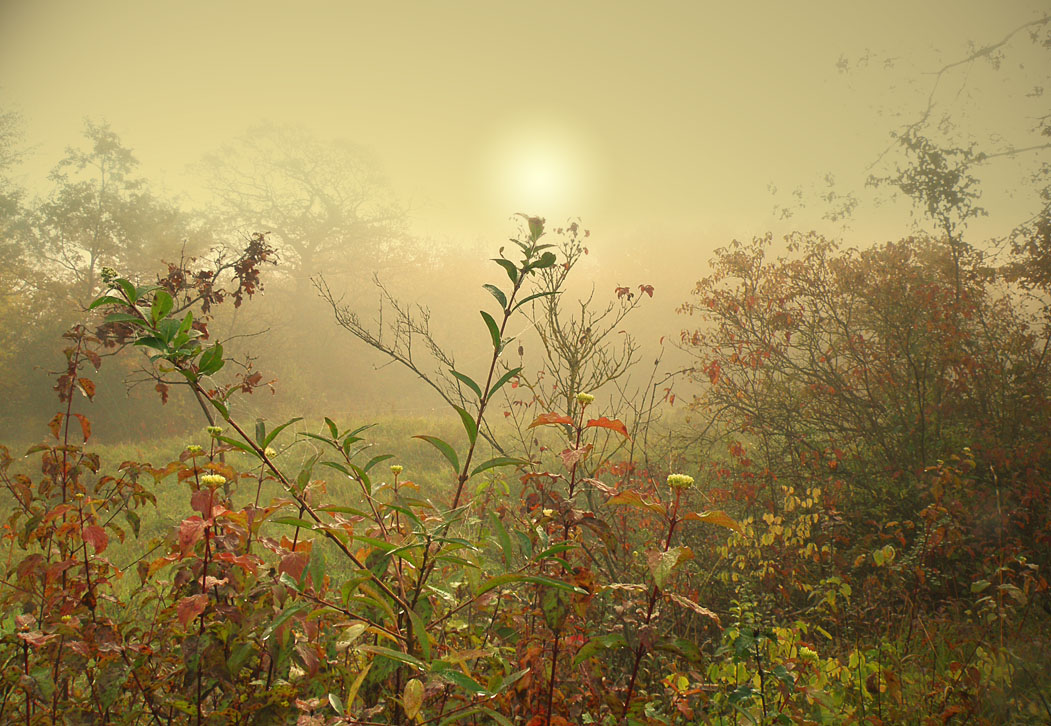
x: 585, y: 398
x: 269, y: 453
x: 806, y: 653
x: 396, y: 469
x: 194, y: 450
x: 213, y: 480
x: 680, y: 481
x: 108, y: 274
x: 214, y: 430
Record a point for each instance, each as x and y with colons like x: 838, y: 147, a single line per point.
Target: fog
x: 666, y: 131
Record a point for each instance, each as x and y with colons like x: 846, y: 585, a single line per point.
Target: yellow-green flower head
x: 214, y: 430
x: 194, y: 450
x: 269, y: 452
x: 108, y: 274
x: 213, y: 480
x: 806, y: 653
x: 585, y: 398
x: 680, y: 481
x: 396, y: 469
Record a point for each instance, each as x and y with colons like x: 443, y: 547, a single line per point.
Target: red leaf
x: 648, y: 289
x: 87, y: 387
x: 95, y: 536
x: 202, y: 501
x: 37, y: 639
x: 85, y: 426
x: 191, y: 529
x: 294, y: 564
x: 612, y: 424
x: 190, y: 607
x: 571, y: 457
x: 54, y: 424
x: 551, y: 418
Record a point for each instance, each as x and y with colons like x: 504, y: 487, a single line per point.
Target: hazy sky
x: 645, y: 119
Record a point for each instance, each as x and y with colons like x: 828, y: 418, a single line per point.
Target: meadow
x: 849, y: 522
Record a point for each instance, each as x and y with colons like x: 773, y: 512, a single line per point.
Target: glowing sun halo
x: 538, y: 168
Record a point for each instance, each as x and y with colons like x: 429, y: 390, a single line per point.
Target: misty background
x: 397, y: 142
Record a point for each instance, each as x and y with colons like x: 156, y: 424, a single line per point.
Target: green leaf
x: 497, y: 461
x: 502, y: 684
x: 162, y: 305
x: 500, y: 580
x: 509, y: 268
x: 353, y: 692
x: 332, y: 429
x: 273, y: 434
x: 465, y: 682
x: 107, y: 300
x: 394, y: 655
x: 211, y: 360
x: 141, y: 292
x: 343, y: 510
x: 493, y: 290
x: 502, y: 537
x: 468, y: 423
x: 447, y: 451
x: 663, y: 564
x: 337, y: 704
x: 504, y: 379
x: 294, y: 521
x: 221, y: 408
x: 124, y: 318
x: 534, y: 297
x: 316, y: 567
x: 419, y: 629
x: 546, y: 260
x: 187, y: 324
x: 284, y: 616
x: 467, y: 381
x: 127, y: 288
x: 536, y: 228
x: 236, y: 444
x: 494, y: 329
x: 379, y: 458
x: 599, y: 643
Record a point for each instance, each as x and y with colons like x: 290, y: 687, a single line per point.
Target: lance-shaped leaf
x: 447, y: 451
x: 691, y: 605
x: 467, y: 381
x: 494, y: 291
x: 394, y: 655
x: 504, y: 379
x: 715, y: 516
x: 469, y: 424
x: 499, y: 580
x: 494, y: 329
x: 509, y: 268
x: 495, y: 462
x: 598, y: 645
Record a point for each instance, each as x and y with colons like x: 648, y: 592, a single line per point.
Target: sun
x: 539, y: 167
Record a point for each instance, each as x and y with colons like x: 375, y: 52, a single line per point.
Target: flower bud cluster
x: 213, y: 480
x: 680, y: 481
